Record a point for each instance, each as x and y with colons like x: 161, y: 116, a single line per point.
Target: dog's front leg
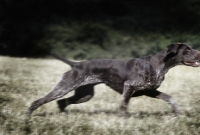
x: 127, y: 94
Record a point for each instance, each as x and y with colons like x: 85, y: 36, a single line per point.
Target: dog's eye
x: 188, y: 51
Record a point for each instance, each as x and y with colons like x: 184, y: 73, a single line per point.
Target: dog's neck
x: 162, y: 63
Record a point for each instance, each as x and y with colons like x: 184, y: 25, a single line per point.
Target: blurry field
x: 24, y: 80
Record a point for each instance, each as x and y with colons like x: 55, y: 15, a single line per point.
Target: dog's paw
x: 122, y: 113
x: 62, y: 104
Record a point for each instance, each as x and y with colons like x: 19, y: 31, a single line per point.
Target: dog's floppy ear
x: 173, y: 48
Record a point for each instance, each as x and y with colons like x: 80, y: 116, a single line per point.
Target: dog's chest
x: 153, y: 77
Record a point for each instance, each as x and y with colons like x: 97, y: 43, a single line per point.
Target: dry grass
x: 24, y: 80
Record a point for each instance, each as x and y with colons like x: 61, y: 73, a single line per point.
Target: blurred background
x: 87, y: 29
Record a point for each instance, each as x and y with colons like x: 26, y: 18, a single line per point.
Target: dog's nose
x: 198, y: 52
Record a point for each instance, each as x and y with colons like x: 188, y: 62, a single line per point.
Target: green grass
x: 24, y: 80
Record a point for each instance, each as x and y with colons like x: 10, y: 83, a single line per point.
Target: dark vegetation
x: 85, y: 29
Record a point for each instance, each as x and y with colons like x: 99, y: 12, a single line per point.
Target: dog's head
x: 181, y: 53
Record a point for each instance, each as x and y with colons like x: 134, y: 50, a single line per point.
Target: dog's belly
x: 116, y: 81
x: 118, y: 87
x: 116, y: 84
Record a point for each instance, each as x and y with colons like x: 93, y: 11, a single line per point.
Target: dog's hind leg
x: 62, y: 88
x: 81, y: 95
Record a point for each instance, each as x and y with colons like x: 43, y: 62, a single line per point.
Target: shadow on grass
x: 140, y: 114
x: 195, y: 124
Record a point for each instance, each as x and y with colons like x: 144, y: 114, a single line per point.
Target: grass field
x: 24, y: 80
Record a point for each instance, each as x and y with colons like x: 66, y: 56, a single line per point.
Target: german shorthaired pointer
x: 131, y: 78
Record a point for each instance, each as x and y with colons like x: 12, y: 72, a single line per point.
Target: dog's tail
x: 71, y: 63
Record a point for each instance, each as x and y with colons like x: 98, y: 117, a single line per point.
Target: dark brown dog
x: 131, y: 78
